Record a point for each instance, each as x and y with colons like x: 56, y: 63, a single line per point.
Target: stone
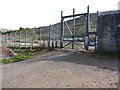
x: 108, y: 31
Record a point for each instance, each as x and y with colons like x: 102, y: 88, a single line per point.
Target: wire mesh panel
x: 12, y: 38
x: 74, y: 32
x: 17, y: 38
x: 5, y: 40
x: 55, y: 34
x: 0, y: 39
x: 67, y: 30
x: 45, y: 35
x: 80, y: 29
x: 9, y: 39
x: 40, y: 37
x: 29, y: 38
x: 22, y: 38
x: 36, y: 37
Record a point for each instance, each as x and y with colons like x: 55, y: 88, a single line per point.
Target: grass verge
x: 104, y: 55
x: 23, y: 54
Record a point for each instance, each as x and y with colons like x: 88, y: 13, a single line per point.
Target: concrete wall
x: 108, y: 30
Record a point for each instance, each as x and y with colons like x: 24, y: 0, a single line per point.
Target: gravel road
x: 61, y: 69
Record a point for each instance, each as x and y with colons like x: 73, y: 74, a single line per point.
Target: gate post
x: 86, y: 43
x: 49, y: 36
x: 96, y: 36
x: 73, y: 42
x: 61, y: 37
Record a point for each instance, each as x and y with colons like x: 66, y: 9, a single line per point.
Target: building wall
x: 108, y: 31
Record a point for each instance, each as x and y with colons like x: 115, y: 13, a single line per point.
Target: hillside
x: 4, y: 30
x: 80, y: 25
x: 93, y: 18
x: 56, y: 28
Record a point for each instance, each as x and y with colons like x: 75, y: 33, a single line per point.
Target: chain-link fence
x: 42, y: 37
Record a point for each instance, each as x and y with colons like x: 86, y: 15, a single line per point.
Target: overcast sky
x: 35, y: 13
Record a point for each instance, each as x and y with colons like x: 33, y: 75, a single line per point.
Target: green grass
x: 105, y: 55
x: 23, y: 54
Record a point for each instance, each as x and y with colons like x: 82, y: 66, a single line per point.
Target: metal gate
x: 75, y: 34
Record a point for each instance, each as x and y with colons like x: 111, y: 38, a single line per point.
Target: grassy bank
x: 23, y: 54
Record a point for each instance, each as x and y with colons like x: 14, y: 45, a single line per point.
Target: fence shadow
x: 78, y: 58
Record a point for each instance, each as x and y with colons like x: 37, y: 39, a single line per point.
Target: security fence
x: 42, y: 37
x: 78, y: 32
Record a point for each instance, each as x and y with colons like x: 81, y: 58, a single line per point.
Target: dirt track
x: 61, y: 69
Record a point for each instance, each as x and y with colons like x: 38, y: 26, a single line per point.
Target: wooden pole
x: 88, y: 19
x: 61, y: 37
x: 87, y: 30
x: 49, y: 42
x: 73, y: 42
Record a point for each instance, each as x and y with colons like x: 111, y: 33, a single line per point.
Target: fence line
x: 66, y: 33
x: 42, y: 37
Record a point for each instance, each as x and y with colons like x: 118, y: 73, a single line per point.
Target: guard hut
x: 108, y: 31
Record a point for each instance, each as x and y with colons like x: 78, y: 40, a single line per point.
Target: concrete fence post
x: 52, y: 44
x: 19, y: 39
x: 56, y: 42
x: 49, y: 36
